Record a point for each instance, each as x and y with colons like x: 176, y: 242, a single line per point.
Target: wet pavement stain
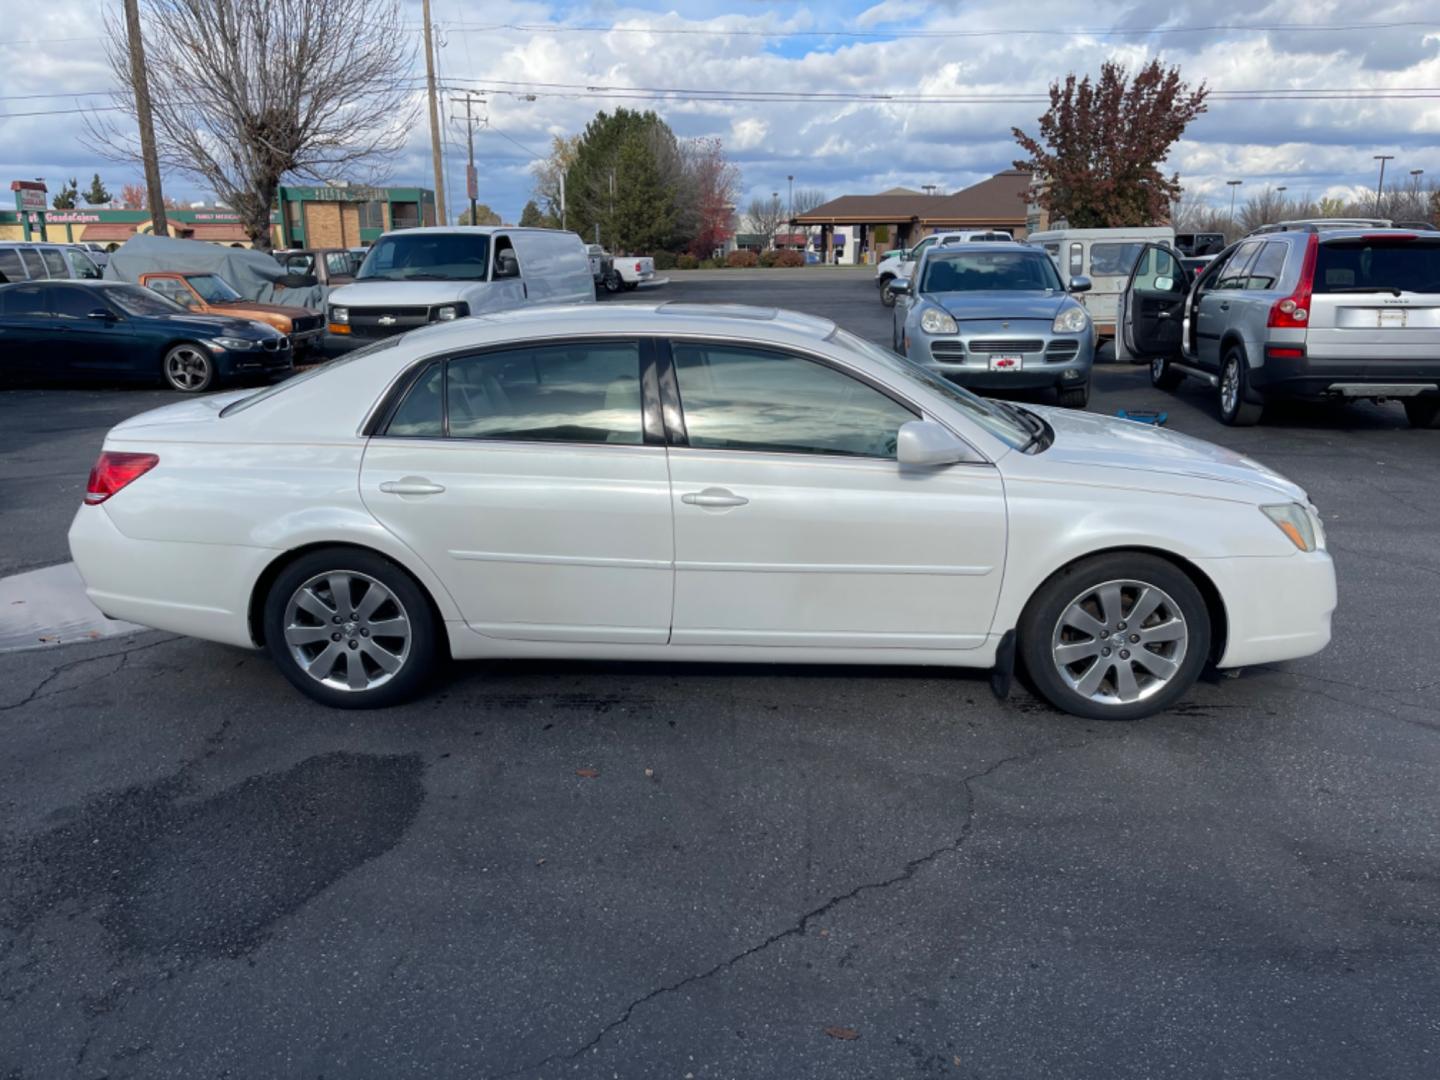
x: 209, y: 878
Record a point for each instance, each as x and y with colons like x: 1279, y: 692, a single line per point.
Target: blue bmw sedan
x: 996, y: 316
x: 112, y: 330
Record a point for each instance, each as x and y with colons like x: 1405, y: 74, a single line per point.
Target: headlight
x: 1298, y: 523
x: 340, y: 315
x: 1070, y: 321
x: 446, y: 314
x: 235, y: 344
x: 935, y: 321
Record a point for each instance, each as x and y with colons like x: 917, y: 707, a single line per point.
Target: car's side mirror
x: 101, y: 315
x: 926, y: 443
x: 1079, y: 283
x: 901, y: 286
x: 1164, y: 284
x: 506, y: 265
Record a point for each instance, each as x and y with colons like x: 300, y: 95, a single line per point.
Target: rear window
x: 10, y: 265
x: 1378, y: 265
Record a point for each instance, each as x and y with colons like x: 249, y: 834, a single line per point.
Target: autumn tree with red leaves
x: 1098, y: 155
x: 716, y: 183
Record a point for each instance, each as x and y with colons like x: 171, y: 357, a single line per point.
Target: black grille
x: 947, y: 348
x: 275, y: 344
x: 305, y: 323
x: 1007, y: 345
x: 1064, y: 349
x: 385, y: 321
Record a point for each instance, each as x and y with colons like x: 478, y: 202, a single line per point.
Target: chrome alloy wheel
x: 187, y: 368
x: 1119, y: 642
x: 1230, y: 388
x: 347, y: 631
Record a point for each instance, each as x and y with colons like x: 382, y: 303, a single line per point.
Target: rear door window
x: 33, y: 266
x: 24, y: 302
x: 1264, y: 273
x: 1238, y: 266
x: 11, y: 266
x: 55, y: 262
x: 1377, y: 264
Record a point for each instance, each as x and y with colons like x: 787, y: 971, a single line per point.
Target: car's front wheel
x: 1163, y: 375
x: 1115, y: 637
x: 1075, y: 397
x: 351, y: 629
x: 887, y: 295
x: 189, y: 368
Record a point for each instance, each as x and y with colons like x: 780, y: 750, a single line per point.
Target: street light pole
x: 1233, y: 184
x: 790, y: 208
x: 1380, y: 185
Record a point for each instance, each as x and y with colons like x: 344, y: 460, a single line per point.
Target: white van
x: 1106, y: 256
x: 411, y: 277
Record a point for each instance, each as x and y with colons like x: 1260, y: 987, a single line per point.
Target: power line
x: 1290, y: 28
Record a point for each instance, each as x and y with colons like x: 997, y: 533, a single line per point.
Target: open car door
x: 1152, y: 310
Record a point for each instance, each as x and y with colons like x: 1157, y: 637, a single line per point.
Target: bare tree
x: 1267, y: 207
x: 807, y: 199
x: 248, y: 92
x: 765, y: 216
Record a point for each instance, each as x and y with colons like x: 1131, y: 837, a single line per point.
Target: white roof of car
x: 471, y: 230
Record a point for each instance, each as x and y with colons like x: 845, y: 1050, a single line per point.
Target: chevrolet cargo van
x: 412, y: 277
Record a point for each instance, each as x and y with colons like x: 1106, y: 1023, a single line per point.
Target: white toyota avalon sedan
x: 692, y: 482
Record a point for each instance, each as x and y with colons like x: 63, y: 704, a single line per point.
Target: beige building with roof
x: 849, y: 225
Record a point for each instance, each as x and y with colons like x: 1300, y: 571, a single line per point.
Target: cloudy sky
x: 897, y: 47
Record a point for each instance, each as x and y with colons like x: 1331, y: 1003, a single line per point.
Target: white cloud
x: 844, y: 147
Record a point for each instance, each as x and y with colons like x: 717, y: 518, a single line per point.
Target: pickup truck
x: 602, y: 268
x: 329, y: 266
x: 204, y: 292
x: 635, y: 270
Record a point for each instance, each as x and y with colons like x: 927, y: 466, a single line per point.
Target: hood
x: 372, y: 292
x: 1091, y: 440
x: 220, y: 324
x: 287, y: 311
x: 992, y: 305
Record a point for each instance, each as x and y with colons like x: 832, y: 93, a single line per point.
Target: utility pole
x: 434, y: 114
x: 1232, y: 184
x: 140, y: 83
x: 472, y: 183
x: 790, y: 209
x: 1380, y: 187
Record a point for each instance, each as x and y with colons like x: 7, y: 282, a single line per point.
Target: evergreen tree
x: 626, y: 178
x: 531, y: 217
x: 65, y: 198
x: 97, y: 195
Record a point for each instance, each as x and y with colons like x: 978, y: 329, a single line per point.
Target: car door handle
x: 713, y: 497
x: 1224, y: 307
x: 411, y: 485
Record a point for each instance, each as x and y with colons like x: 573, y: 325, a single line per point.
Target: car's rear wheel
x: 189, y: 368
x: 1075, y: 397
x: 351, y: 629
x: 1423, y: 412
x: 614, y: 282
x: 1163, y: 376
x: 1115, y: 637
x: 1236, y: 408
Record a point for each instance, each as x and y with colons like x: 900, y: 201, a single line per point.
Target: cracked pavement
x: 202, y: 874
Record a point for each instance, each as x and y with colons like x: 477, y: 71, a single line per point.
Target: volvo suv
x: 1314, y: 309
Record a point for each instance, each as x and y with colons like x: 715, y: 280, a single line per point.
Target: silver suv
x: 37, y: 262
x: 1312, y: 309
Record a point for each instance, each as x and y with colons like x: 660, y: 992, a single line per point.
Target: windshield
x: 212, y: 289
x: 1378, y: 264
x: 987, y: 414
x: 427, y: 257
x: 137, y: 300
x: 990, y: 271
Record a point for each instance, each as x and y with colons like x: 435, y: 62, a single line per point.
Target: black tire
x: 417, y: 660
x: 1423, y: 412
x: 1163, y: 375
x: 1074, y: 397
x: 1040, y: 628
x: 887, y: 297
x: 189, y: 368
x: 1237, y: 409
x: 613, y: 282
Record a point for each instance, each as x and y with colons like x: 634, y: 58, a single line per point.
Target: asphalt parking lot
x: 608, y: 870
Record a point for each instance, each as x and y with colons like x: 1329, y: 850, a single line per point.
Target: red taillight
x: 1279, y: 352
x: 637, y: 268
x: 1294, y: 311
x: 115, y: 470
x: 1389, y: 236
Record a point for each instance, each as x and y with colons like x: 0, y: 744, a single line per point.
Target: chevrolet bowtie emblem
x: 389, y: 320
x: 1003, y: 325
